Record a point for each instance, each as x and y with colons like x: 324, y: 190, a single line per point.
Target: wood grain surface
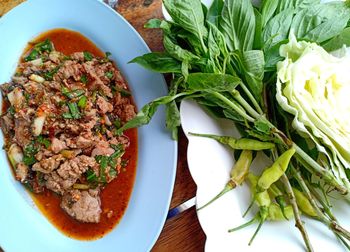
x: 182, y: 233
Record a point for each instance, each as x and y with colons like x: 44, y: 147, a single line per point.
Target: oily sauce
x: 115, y: 196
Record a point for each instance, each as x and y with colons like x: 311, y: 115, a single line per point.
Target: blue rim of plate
x: 157, y: 158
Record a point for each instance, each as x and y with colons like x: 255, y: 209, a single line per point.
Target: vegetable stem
x: 234, y: 106
x: 245, y: 104
x: 298, y: 222
x: 251, y: 98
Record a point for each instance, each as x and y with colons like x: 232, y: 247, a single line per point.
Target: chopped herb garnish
x: 67, y: 58
x: 49, y: 74
x: 11, y: 110
x: 32, y: 55
x: 108, y: 54
x: 113, y: 172
x: 109, y: 75
x: 28, y: 154
x: 82, y: 102
x: 44, y: 141
x: 88, y: 56
x: 44, y: 46
x: 84, y: 79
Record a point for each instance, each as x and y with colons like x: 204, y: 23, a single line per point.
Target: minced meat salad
x: 60, y: 120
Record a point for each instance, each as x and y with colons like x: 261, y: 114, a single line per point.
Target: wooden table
x: 182, y: 232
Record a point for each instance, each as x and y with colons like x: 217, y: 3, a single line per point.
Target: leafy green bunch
x: 224, y: 57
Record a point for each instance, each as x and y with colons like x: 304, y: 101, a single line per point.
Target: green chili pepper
x: 276, y: 214
x: 273, y: 173
x: 276, y: 193
x: 263, y: 200
x: 238, y: 174
x: 303, y: 203
x: 239, y: 144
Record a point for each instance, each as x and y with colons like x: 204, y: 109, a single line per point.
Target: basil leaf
x: 158, y: 62
x: 254, y: 64
x: 238, y: 24
x: 214, y: 12
x: 188, y: 14
x: 258, y: 44
x: 267, y: 10
x: 339, y: 41
x: 317, y: 23
x: 217, y: 39
x: 145, y: 115
x: 209, y: 82
x: 177, y: 52
x: 277, y: 29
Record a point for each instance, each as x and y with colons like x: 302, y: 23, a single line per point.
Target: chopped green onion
x: 88, y: 56
x: 91, y: 176
x: 72, y: 94
x: 74, y: 110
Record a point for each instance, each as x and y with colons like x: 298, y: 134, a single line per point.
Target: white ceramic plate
x: 22, y: 226
x: 210, y: 164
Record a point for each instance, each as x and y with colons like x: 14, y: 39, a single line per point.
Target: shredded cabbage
x: 314, y: 86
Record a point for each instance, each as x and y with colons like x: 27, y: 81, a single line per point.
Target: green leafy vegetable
x: 238, y: 24
x: 88, y: 56
x: 159, y: 62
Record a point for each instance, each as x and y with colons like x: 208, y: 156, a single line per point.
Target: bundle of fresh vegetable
x: 269, y: 69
